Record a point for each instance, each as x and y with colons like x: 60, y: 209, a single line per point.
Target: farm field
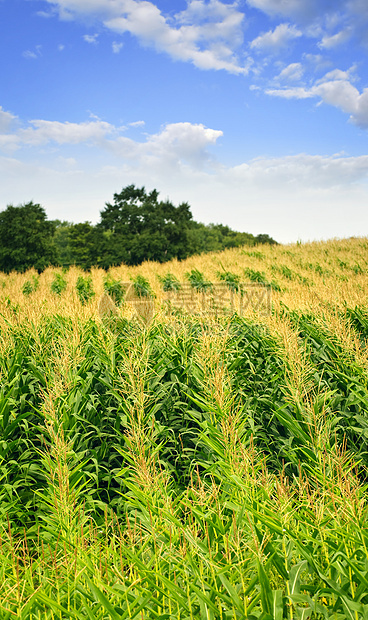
x: 196, y: 466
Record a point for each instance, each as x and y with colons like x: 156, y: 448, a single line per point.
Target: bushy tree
x: 139, y: 227
x: 61, y: 239
x: 216, y: 237
x: 85, y: 244
x: 26, y: 238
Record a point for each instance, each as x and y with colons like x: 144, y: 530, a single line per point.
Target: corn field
x: 191, y: 466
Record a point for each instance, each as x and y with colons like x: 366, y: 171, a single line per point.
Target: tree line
x: 135, y: 227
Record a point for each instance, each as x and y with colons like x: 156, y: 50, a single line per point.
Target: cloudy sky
x: 253, y: 111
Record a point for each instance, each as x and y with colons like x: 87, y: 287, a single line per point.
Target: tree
x: 26, y: 238
x: 216, y: 237
x: 61, y: 239
x: 263, y: 238
x: 139, y: 227
x: 84, y: 244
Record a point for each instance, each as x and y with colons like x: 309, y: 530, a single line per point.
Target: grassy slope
x: 195, y: 468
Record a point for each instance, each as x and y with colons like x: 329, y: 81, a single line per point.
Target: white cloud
x: 305, y: 170
x: 61, y: 47
x: 295, y: 92
x: 42, y: 132
x: 275, y: 40
x: 175, y: 143
x: 207, y: 34
x: 44, y: 14
x: 6, y: 119
x: 291, y: 73
x: 116, y: 47
x: 137, y: 124
x: 304, y: 11
x: 343, y: 95
x: 335, y: 89
x: 29, y: 54
x: 329, y: 42
x: 33, y: 54
x: 337, y: 74
x: 91, y: 38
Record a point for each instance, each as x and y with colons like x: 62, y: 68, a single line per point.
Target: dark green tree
x: 216, y: 237
x: 61, y: 238
x: 263, y: 238
x: 84, y: 244
x: 137, y: 227
x: 26, y: 238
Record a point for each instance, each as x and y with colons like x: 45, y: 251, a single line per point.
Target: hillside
x: 198, y: 465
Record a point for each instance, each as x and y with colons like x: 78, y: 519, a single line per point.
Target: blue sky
x: 255, y: 112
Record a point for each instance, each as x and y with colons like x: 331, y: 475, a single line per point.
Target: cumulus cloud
x: 207, y: 33
x: 175, y: 143
x: 276, y: 40
x: 335, y: 89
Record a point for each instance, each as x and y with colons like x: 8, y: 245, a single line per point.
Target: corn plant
x: 115, y: 289
x: 231, y: 279
x: 142, y: 287
x: 84, y: 288
x: 59, y: 284
x: 30, y: 286
x: 207, y: 467
x: 198, y: 281
x: 169, y: 283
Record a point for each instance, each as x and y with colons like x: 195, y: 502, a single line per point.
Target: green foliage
x: 264, y: 238
x: 198, y: 281
x: 216, y: 237
x: 64, y: 256
x: 115, y: 289
x: 255, y: 254
x: 176, y: 474
x: 259, y: 276
x: 30, y: 286
x: 27, y: 288
x: 84, y: 244
x: 289, y: 274
x: 231, y: 279
x: 136, y: 227
x: 59, y: 284
x: 84, y: 288
x: 26, y: 239
x: 142, y: 287
x: 142, y: 228
x: 255, y: 276
x: 169, y: 282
